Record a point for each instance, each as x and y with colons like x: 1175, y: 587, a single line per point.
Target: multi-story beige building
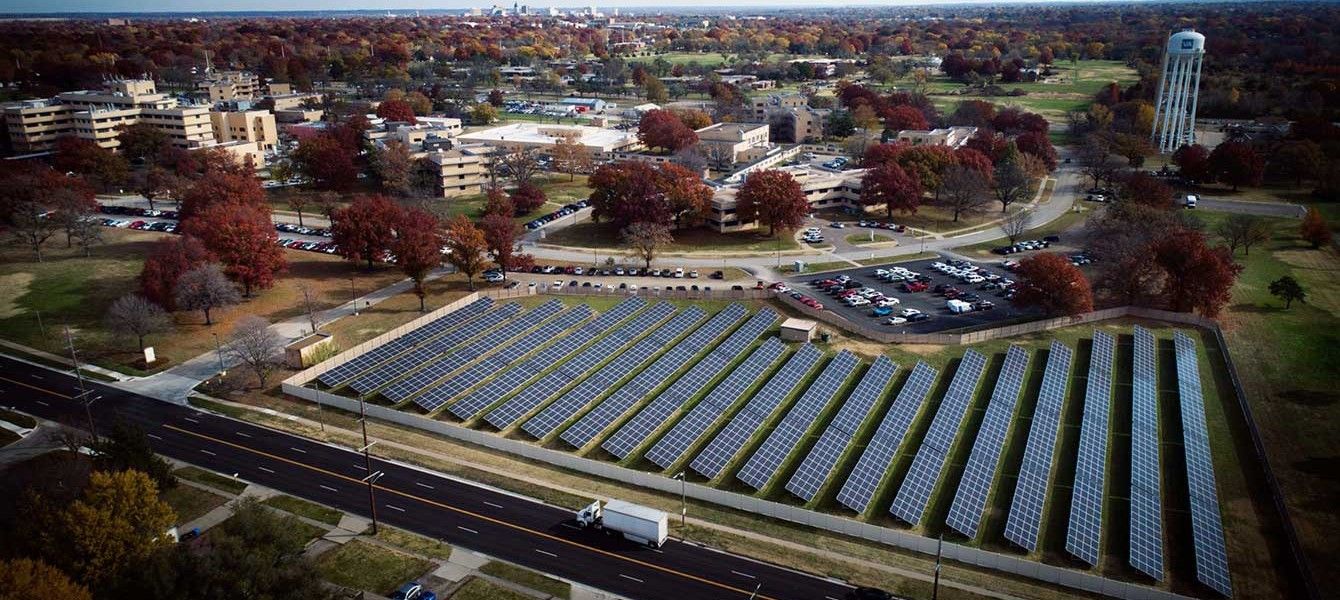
x: 822, y: 189
x: 461, y: 171
x: 34, y: 125
x: 798, y: 122
x: 727, y: 144
x: 256, y: 126
x: 598, y: 142
x: 954, y: 137
x: 222, y: 86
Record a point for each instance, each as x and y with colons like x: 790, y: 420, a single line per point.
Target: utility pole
x: 372, y: 477
x: 83, y: 391
x: 935, y: 587
x: 353, y: 295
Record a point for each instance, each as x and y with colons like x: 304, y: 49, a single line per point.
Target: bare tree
x: 85, y: 232
x: 206, y: 288
x: 256, y: 345
x: 134, y: 315
x: 297, y: 202
x: 646, y: 239
x: 327, y: 202
x: 308, y: 304
x: 1095, y: 157
x: 520, y: 164
x: 1011, y: 183
x: 571, y: 157
x: 963, y: 190
x: 32, y: 226
x: 1243, y: 231
x: 1017, y: 224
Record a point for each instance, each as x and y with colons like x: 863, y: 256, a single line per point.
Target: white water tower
x: 1179, y: 88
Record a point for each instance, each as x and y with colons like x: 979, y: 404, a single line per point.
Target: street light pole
x: 935, y: 587
x: 683, y: 499
x: 218, y: 349
x: 353, y: 295
x: 367, y: 462
x: 79, y: 376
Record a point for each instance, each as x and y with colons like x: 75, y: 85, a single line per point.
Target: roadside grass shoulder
x: 304, y: 508
x: 480, y: 589
x: 190, y: 503
x: 589, y: 234
x: 211, y: 479
x: 413, y: 542
x: 369, y: 567
x: 527, y: 578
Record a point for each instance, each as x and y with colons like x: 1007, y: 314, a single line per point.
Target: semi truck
x: 637, y: 523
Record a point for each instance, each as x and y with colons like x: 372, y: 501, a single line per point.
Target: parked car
x: 413, y: 591
x: 881, y: 311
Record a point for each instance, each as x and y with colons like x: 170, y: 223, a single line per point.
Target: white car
x: 974, y: 278
x: 896, y: 321
x: 855, y: 301
x: 558, y: 283
x: 907, y: 312
x: 493, y: 277
x: 679, y: 273
x: 886, y: 302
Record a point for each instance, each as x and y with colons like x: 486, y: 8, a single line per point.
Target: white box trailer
x: 636, y: 522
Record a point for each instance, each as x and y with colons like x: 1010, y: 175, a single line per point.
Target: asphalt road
x: 522, y: 531
x: 1262, y: 209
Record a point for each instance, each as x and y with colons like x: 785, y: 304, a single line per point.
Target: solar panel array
x: 431, y: 350
x: 574, y: 370
x: 818, y: 464
x: 498, y: 361
x: 763, y: 465
x: 745, y: 423
x: 965, y: 514
x: 512, y: 379
x: 921, y: 479
x: 425, y: 379
x: 1207, y: 529
x: 657, y: 374
x: 688, y: 430
x: 1085, y: 530
x: 347, y: 370
x: 603, y: 380
x: 652, y: 416
x: 1146, y: 499
x: 875, y: 461
x: 1030, y: 493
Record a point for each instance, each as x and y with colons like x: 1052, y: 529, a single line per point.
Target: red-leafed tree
x: 500, y: 234
x: 418, y: 248
x: 1197, y: 277
x: 881, y: 154
x: 662, y: 129
x: 889, y: 185
x: 396, y: 110
x: 1193, y: 161
x: 688, y: 197
x: 466, y: 247
x: 1142, y: 188
x: 1237, y: 164
x: 1039, y: 145
x: 169, y: 259
x: 1314, y: 229
x: 87, y: 158
x: 327, y: 161
x: 975, y: 160
x: 498, y: 203
x: 637, y: 192
x: 242, y: 238
x: 527, y: 197
x: 926, y: 164
x: 772, y: 198
x: 1051, y: 282
x: 215, y: 188
x: 365, y: 230
x: 899, y: 118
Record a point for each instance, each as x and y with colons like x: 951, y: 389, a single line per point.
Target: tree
x: 1288, y: 289
x: 963, y: 189
x: 841, y: 124
x: 660, y: 128
x: 396, y: 110
x: 1054, y: 284
x: 1193, y: 162
x: 326, y: 161
x: 633, y: 191
x: 28, y: 579
x: 465, y: 247
x: 693, y: 118
x: 1142, y: 188
x: 688, y: 197
x: 420, y: 103
x: 134, y: 316
x: 1095, y: 158
x: 905, y: 117
x: 926, y: 164
x: 889, y: 185
x: 655, y: 90
x: 570, y: 157
x: 865, y: 118
x: 327, y: 203
x: 85, y: 157
x: 1039, y: 145
x: 394, y: 166
x: 74, y: 209
x: 155, y: 182
x: 483, y: 114
x: 520, y: 164
x: 418, y: 248
x: 205, y: 288
x: 646, y: 239
x: 167, y: 262
x: 1237, y: 164
x: 220, y: 188
x: 1011, y: 182
x: 1016, y: 224
x: 1314, y: 229
x: 1298, y: 160
x: 115, y: 524
x: 500, y: 234
x: 141, y: 141
x: 498, y: 203
x: 495, y: 97
x: 1243, y: 230
x: 298, y: 202
x: 126, y: 447
x: 244, y: 239
x: 253, y: 342
x: 85, y: 232
x: 527, y: 197
x: 1196, y: 276
x: 364, y: 230
x: 773, y: 198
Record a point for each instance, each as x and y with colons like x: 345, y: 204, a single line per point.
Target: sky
x: 186, y: 6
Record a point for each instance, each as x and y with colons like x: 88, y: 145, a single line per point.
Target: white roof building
x: 596, y: 140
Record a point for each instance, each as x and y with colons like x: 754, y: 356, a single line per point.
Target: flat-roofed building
x: 726, y: 144
x: 245, y: 125
x: 954, y: 137
x: 823, y: 189
x: 220, y: 86
x: 461, y: 171
x: 597, y: 141
x: 34, y: 125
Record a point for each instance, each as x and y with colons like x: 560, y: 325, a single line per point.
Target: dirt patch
x: 15, y: 286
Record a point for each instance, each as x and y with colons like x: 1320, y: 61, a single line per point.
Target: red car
x: 914, y: 287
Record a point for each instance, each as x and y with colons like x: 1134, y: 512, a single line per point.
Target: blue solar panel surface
x: 965, y: 514
x: 1085, y: 530
x: 877, y: 458
x: 1030, y: 493
x: 1146, y: 552
x: 347, y: 370
x: 1207, y: 529
x: 431, y: 350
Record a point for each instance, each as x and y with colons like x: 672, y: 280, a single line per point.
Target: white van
x: 958, y: 307
x: 1191, y: 200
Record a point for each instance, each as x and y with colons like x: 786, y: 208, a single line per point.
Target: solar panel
x: 691, y: 428
x: 578, y: 367
x: 1207, y: 530
x: 818, y: 464
x: 1146, y: 500
x: 431, y: 350
x: 745, y: 423
x: 924, y: 474
x: 605, y: 379
x: 423, y: 383
x: 517, y: 375
x: 1030, y: 493
x: 347, y: 370
x: 1085, y: 530
x: 662, y: 370
x: 688, y: 386
x: 875, y: 461
x: 965, y: 514
x: 504, y: 357
x: 763, y: 465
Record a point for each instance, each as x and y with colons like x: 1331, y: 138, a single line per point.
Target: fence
x: 655, y: 292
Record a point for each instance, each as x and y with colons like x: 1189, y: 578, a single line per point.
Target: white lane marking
x: 829, y: 598
x: 570, y: 526
x: 360, y: 467
x: 43, y: 403
x: 298, y: 450
x: 326, y: 487
x: 743, y: 574
x: 631, y: 577
x: 35, y: 376
x: 394, y: 507
x: 549, y: 554
x: 98, y: 397
x: 191, y: 420
x: 208, y: 452
x: 466, y: 529
x: 271, y: 471
x: 153, y: 436
x: 245, y: 435
x: 421, y: 484
x: 492, y: 504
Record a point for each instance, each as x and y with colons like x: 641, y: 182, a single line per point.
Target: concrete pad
x: 209, y: 519
x: 585, y: 593
x: 469, y: 560
x: 259, y: 492
x: 353, y: 524
x: 453, y: 573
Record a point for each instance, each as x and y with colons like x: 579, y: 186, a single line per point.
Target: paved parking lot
x: 927, y: 302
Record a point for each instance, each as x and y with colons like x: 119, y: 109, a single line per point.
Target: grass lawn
x: 369, y: 567
x: 589, y: 234
x: 190, y: 503
x: 557, y: 187
x: 480, y: 589
x: 413, y: 542
x: 211, y: 479
x: 528, y: 578
x: 1073, y: 88
x: 304, y: 508
x: 8, y: 437
x: 861, y: 239
x: 869, y: 262
x: 21, y: 420
x: 70, y: 289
